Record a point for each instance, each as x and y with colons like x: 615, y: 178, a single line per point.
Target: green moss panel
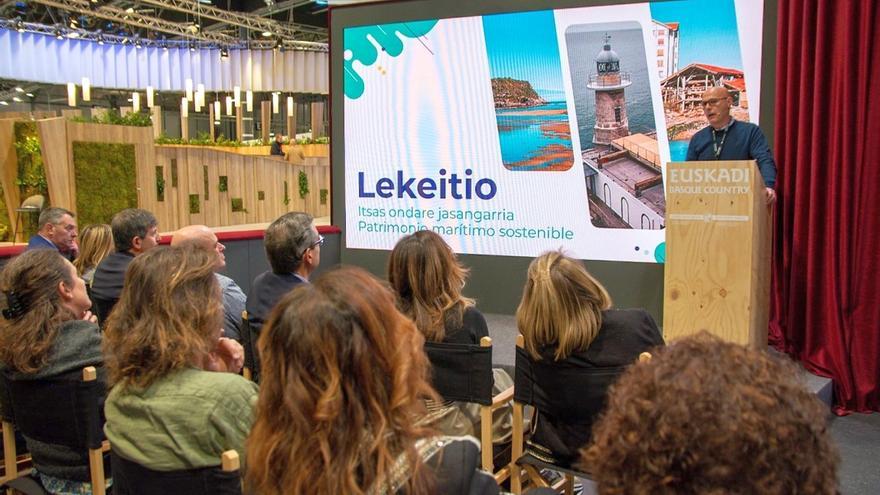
x: 105, y: 179
x: 31, y: 174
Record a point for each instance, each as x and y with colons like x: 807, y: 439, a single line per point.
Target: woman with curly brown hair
x: 48, y: 332
x: 568, y: 326
x: 344, y: 378
x: 710, y: 417
x: 428, y: 279
x: 170, y: 407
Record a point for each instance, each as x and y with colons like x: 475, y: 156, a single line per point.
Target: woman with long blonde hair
x: 95, y: 244
x: 344, y: 378
x: 173, y: 406
x: 567, y: 322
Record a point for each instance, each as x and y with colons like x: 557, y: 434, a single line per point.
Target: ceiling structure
x: 255, y: 24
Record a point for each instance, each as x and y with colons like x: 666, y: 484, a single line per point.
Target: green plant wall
x: 31, y: 174
x: 106, y: 180
x: 5, y: 224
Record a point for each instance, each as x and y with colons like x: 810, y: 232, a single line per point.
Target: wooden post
x: 291, y: 128
x: 317, y: 119
x: 184, y: 127
x: 239, y: 124
x: 211, y: 120
x: 266, y: 119
x: 156, y: 113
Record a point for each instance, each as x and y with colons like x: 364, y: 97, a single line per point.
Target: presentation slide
x: 515, y: 133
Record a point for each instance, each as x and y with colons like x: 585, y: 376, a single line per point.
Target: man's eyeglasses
x: 319, y: 242
x: 712, y: 102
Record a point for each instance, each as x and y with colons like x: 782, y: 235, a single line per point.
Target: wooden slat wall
x: 9, y: 162
x: 55, y: 149
x: 246, y: 175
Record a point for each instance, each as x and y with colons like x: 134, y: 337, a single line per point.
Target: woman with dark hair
x: 428, y: 279
x: 567, y: 323
x: 48, y: 332
x: 708, y: 416
x: 171, y: 406
x: 344, y: 383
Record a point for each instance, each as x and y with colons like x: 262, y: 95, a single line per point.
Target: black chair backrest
x: 249, y: 343
x: 5, y: 401
x: 461, y: 372
x: 130, y: 478
x: 102, y: 308
x: 64, y: 410
x: 571, y: 394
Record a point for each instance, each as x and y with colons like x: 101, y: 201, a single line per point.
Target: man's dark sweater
x: 742, y: 141
x: 107, y: 284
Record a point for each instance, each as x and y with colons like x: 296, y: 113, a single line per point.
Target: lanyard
x: 716, y: 146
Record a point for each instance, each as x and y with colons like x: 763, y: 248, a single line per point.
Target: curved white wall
x: 42, y: 58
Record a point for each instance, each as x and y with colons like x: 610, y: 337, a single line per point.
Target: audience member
x: 169, y: 407
x: 707, y: 416
x: 57, y: 231
x: 201, y: 237
x: 293, y: 247
x: 345, y: 378
x: 428, y: 279
x: 47, y: 332
x: 277, y: 145
x: 135, y: 232
x: 567, y: 324
x: 96, y: 243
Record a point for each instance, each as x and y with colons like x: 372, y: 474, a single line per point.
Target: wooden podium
x: 717, y: 273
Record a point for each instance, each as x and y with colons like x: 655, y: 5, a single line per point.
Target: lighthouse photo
x: 623, y: 171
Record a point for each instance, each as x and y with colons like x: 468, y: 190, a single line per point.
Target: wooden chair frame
x: 96, y: 455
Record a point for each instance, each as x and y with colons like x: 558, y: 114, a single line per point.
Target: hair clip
x: 15, y: 305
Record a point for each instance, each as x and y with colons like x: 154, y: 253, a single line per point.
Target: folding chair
x: 251, y: 367
x: 130, y: 478
x: 63, y: 411
x: 463, y: 372
x: 10, y: 449
x: 564, y: 393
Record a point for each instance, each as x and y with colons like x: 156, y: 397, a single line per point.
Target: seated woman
x: 95, y: 243
x: 171, y: 407
x: 568, y: 327
x: 707, y: 416
x: 428, y: 279
x: 47, y: 332
x: 344, y: 382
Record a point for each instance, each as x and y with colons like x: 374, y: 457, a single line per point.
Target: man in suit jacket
x: 135, y: 231
x: 58, y: 230
x: 293, y: 247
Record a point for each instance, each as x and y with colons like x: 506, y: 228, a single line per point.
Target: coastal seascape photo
x: 616, y: 125
x: 527, y: 86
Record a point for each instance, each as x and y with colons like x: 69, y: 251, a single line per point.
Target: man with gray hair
x: 293, y: 247
x: 201, y: 237
x: 135, y: 231
x: 57, y: 230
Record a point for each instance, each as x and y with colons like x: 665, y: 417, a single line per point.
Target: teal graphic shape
x: 358, y: 47
x: 660, y: 253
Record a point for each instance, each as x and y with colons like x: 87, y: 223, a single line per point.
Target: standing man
x: 201, y: 237
x: 277, y: 150
x: 135, y: 231
x: 728, y: 139
x: 58, y: 231
x: 293, y: 247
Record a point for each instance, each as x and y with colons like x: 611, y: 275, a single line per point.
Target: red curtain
x: 825, y: 300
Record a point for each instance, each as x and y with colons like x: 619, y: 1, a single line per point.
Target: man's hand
x: 771, y: 195
x: 227, y: 356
